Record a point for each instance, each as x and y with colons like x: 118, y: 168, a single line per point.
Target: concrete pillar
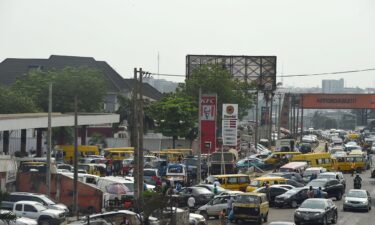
x: 23, y: 141
x: 39, y: 139
x: 6, y: 142
x: 83, y: 134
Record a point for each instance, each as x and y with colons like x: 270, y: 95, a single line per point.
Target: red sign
x: 338, y: 101
x: 208, y: 111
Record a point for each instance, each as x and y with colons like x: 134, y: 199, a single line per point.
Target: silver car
x: 215, y: 206
x: 357, y: 199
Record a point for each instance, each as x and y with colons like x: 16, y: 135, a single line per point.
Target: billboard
x: 208, y: 113
x: 260, y: 70
x: 230, y: 111
x: 338, y: 101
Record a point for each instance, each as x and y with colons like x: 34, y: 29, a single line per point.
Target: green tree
x: 12, y: 101
x: 175, y: 116
x: 85, y: 83
x: 216, y: 79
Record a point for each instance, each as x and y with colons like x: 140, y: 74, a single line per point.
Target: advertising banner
x: 230, y: 111
x: 229, y: 129
x: 338, y: 101
x: 208, y: 113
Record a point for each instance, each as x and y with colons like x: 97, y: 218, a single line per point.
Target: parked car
x: 200, y: 194
x: 37, y: 211
x: 271, y: 192
x: 293, y: 197
x: 294, y: 183
x: 14, y: 197
x: 357, y: 199
x: 312, y: 170
x: 249, y: 162
x: 215, y: 206
x: 316, y: 211
x: 305, y: 148
x: 17, y: 221
x: 333, y: 175
x: 210, y: 187
x: 333, y: 187
x: 251, y: 207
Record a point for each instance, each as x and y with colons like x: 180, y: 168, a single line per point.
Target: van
x: 170, y: 156
x: 316, y: 160
x: 261, y: 181
x: 276, y: 157
x: 312, y: 170
x: 117, y: 188
x: 90, y: 168
x: 235, y: 182
x: 83, y: 150
x: 344, y: 164
x: 185, y: 152
x: 251, y: 206
x: 120, y: 153
x: 298, y: 167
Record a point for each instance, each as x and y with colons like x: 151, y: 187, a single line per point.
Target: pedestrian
x: 223, y: 220
x: 215, y: 190
x: 310, y: 192
x: 313, y: 176
x: 326, y: 147
x: 319, y: 193
x: 217, y: 182
x: 191, y: 203
x: 229, y: 205
x: 352, y: 168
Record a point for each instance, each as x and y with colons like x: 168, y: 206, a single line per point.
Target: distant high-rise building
x: 333, y: 86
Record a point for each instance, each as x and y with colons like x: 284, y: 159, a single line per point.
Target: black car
x: 333, y: 187
x: 305, y: 148
x: 316, y: 211
x: 272, y: 192
x: 333, y: 175
x: 201, y: 195
x: 294, y: 183
x: 293, y: 197
x: 211, y: 187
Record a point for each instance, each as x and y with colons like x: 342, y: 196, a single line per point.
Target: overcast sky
x: 306, y: 36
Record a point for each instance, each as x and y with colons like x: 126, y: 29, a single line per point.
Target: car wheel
x: 43, y: 222
x: 339, y: 196
x: 368, y: 208
x: 334, y: 219
x: 294, y: 204
x: 344, y: 209
x: 297, y: 223
x: 204, y: 214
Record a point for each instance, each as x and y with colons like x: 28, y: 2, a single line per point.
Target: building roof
x: 11, y: 68
x: 148, y: 90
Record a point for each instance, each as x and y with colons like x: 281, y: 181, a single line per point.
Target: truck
x: 37, y: 211
x: 227, y: 160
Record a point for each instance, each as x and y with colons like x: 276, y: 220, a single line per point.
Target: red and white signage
x: 208, y: 111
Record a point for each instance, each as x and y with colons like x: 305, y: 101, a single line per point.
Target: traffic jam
x: 320, y: 177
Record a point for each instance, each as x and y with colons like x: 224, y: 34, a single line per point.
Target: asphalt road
x: 344, y: 218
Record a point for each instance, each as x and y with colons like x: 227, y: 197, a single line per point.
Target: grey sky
x: 306, y: 36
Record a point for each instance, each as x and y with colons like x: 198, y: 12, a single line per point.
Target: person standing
x: 215, y: 190
x: 311, y: 192
x: 319, y: 193
x: 229, y: 205
x: 326, y: 147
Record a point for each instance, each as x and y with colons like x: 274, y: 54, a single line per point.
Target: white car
x: 37, y: 211
x: 18, y: 221
x: 196, y: 219
x: 357, y: 199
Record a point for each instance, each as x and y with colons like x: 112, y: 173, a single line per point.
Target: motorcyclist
x: 357, y: 182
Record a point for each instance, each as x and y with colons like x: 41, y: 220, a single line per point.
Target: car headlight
x: 365, y: 202
x: 317, y: 214
x: 346, y: 201
x: 298, y: 213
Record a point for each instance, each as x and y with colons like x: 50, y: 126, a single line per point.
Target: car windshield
x: 40, y: 207
x: 201, y: 190
x: 255, y: 183
x: 130, y: 186
x: 313, y: 204
x: 247, y: 199
x: 47, y: 200
x: 149, y: 173
x: 175, y: 169
x: 291, y: 192
x: 191, y: 162
x: 317, y: 183
x: 357, y: 194
x: 326, y: 176
x: 308, y: 173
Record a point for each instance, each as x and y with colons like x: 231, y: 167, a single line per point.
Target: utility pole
x: 140, y: 138
x: 135, y: 141
x: 279, y: 118
x: 301, y: 104
x: 199, y: 172
x: 270, y: 121
x: 256, y: 121
x: 48, y: 181
x: 75, y: 182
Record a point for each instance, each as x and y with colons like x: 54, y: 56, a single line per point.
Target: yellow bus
x: 185, y: 152
x: 317, y: 160
x: 345, y: 163
x: 83, y: 150
x: 119, y: 153
x: 171, y: 156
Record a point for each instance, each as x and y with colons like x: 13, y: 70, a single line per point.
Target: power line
x: 289, y: 75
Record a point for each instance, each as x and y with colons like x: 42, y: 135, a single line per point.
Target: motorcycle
x: 357, y: 184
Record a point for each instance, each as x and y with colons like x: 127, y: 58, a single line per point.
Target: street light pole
x: 75, y: 182
x: 48, y: 181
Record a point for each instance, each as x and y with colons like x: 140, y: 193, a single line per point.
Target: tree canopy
x: 218, y: 80
x: 12, y: 101
x: 175, y: 116
x: 88, y: 84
